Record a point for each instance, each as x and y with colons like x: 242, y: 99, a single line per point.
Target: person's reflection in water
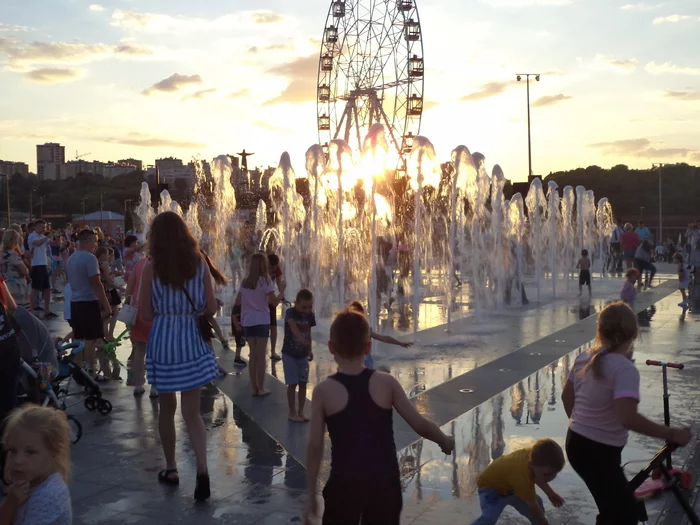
x: 517, y: 405
x: 644, y: 317
x: 294, y: 474
x: 498, y: 444
x: 535, y: 401
x: 565, y: 370
x: 553, y: 394
x: 263, y: 452
x: 478, y: 450
x: 584, y: 309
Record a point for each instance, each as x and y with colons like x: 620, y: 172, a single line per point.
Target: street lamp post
x: 102, y: 222
x: 661, y: 216
x: 519, y: 77
x: 641, y: 213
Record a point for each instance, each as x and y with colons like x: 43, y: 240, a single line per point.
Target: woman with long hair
x: 256, y: 295
x: 13, y: 268
x: 176, y: 291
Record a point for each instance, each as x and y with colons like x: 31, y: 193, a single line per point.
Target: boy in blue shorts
x: 296, y: 352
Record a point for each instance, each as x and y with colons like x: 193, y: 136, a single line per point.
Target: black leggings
x: 600, y: 467
x: 645, y: 266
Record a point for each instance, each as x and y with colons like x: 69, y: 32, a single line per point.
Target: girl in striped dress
x: 176, y: 290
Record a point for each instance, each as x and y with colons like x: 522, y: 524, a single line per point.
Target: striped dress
x: 177, y: 358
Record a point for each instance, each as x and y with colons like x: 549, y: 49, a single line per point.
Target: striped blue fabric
x: 177, y: 358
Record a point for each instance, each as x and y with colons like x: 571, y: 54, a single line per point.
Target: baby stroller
x: 36, y: 387
x: 69, y: 371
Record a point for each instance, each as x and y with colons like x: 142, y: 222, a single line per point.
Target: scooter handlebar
x: 679, y: 366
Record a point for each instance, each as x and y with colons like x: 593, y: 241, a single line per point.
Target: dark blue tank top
x: 362, y: 434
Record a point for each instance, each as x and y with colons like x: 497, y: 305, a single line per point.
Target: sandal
x: 202, y: 490
x: 164, y: 476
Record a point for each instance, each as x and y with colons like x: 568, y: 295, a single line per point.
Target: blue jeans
x: 492, y: 505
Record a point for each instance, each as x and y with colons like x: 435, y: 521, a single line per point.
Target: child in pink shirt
x: 628, y: 294
x: 256, y: 295
x: 601, y: 398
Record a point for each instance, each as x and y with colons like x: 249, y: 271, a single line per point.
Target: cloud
x: 642, y: 148
x: 550, y: 100
x: 160, y: 23
x: 96, y: 7
x: 267, y: 17
x: 302, y: 73
x: 239, y: 94
x: 616, y: 64
x: 155, y: 142
x: 173, y: 83
x: 45, y: 53
x: 669, y: 67
x: 640, y: 7
x: 272, y: 127
x: 8, y: 28
x: 133, y: 49
x: 682, y: 95
x: 51, y: 75
x: 254, y: 50
x: 199, y: 94
x: 429, y: 104
x: 488, y: 90
x: 671, y: 19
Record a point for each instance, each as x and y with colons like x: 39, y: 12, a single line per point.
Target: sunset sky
x: 151, y: 78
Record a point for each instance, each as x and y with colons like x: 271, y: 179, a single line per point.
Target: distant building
x: 114, y: 170
x: 50, y: 158
x: 51, y: 171
x: 10, y: 168
x: 73, y: 168
x: 170, y: 175
x: 136, y: 164
x: 108, y: 221
x: 168, y: 163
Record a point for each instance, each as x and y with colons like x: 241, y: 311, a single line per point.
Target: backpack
x: 9, y: 329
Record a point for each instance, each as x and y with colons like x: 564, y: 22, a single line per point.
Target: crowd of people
x: 170, y: 284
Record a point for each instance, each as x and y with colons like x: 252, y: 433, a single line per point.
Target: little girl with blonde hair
x: 37, y: 447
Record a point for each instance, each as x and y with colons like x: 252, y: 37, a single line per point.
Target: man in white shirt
x: 41, y: 285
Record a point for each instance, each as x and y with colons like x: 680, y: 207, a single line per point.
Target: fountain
x: 335, y: 230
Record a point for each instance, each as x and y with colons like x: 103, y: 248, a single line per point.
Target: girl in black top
x: 357, y: 406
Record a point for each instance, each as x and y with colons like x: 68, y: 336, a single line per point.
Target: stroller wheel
x: 90, y: 403
x: 104, y: 407
x: 75, y: 430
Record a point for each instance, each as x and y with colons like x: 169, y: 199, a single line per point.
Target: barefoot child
x: 256, y: 296
x: 511, y: 479
x: 356, y: 404
x: 37, y: 447
x: 601, y: 398
x: 237, y: 330
x: 628, y: 294
x: 356, y: 306
x: 683, y: 279
x: 584, y: 278
x: 296, y: 351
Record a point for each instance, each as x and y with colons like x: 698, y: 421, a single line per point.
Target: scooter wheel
x: 104, y: 407
x: 686, y: 480
x: 90, y: 403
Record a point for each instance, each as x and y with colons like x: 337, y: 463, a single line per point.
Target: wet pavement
x: 260, y: 480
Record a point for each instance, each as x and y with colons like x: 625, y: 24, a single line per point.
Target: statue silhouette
x: 244, y: 159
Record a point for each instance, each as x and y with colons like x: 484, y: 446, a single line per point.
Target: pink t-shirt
x: 594, y: 414
x: 628, y: 293
x: 255, y: 308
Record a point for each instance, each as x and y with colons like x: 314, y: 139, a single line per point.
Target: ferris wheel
x: 371, y: 71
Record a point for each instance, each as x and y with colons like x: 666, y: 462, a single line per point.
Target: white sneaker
x: 154, y: 393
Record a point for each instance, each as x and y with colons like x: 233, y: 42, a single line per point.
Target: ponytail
x: 617, y: 324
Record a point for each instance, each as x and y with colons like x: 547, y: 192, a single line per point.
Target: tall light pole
x: 7, y: 196
x: 641, y: 214
x: 519, y: 77
x: 661, y: 216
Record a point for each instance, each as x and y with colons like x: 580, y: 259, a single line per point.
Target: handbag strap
x: 187, y: 294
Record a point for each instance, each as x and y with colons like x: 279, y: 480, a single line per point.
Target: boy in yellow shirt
x: 511, y: 479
